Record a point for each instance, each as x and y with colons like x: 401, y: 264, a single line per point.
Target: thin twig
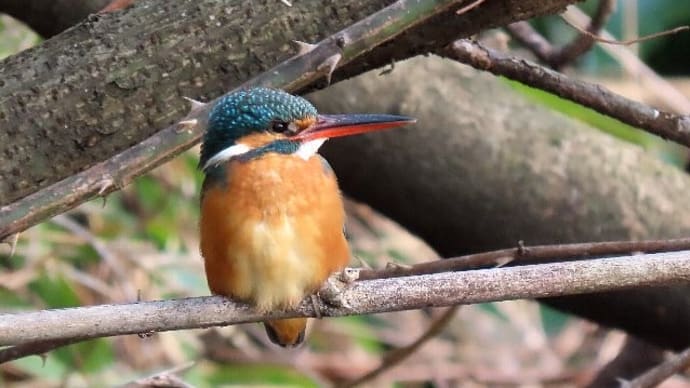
x: 33, y: 348
x: 650, y: 80
x: 558, y: 57
x: 396, y: 356
x: 583, y: 42
x: 526, y: 35
x: 545, y: 52
x: 629, y: 41
x: 362, y: 297
x: 469, y: 7
x: 665, y: 124
x: 101, y: 248
x: 167, y: 378
x: 656, y: 375
x: 530, y: 253
x: 635, y: 357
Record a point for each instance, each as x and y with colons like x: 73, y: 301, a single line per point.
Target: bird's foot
x: 348, y: 275
x: 314, y: 298
x: 332, y: 290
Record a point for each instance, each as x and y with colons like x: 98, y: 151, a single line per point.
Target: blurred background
x: 142, y: 244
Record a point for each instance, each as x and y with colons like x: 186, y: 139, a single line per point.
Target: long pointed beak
x: 327, y: 126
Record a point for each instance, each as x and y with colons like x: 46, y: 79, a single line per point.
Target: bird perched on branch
x: 271, y: 211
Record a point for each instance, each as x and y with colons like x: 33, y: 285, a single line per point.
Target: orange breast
x: 274, y: 232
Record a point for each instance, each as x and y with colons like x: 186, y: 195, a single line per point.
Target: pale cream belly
x: 276, y: 272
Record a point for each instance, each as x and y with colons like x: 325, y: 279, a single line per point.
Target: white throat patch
x: 310, y: 148
x: 305, y: 151
x: 226, y: 154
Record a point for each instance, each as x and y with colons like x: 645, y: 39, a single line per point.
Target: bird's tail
x: 287, y: 333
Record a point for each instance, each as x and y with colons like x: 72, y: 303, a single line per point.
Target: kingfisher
x: 272, y: 216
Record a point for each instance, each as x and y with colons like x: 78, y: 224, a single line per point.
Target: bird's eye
x: 279, y: 127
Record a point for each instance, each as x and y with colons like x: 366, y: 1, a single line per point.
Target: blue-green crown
x: 246, y: 111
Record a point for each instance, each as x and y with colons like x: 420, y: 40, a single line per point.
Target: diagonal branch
x: 674, y: 99
x: 661, y: 372
x: 92, y: 91
x: 362, y: 297
x: 557, y: 58
x: 583, y: 42
x: 398, y: 355
x: 665, y: 124
x: 294, y: 74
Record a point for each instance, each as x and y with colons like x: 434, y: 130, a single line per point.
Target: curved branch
x: 559, y: 57
x: 362, y: 297
x: 583, y: 42
x: 398, y: 355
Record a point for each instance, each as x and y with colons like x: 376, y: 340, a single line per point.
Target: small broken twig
x: 656, y: 375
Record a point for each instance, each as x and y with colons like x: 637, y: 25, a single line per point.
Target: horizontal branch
x: 530, y: 254
x: 361, y: 297
x: 665, y: 124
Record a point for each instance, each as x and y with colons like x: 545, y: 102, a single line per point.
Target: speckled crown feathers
x: 243, y: 112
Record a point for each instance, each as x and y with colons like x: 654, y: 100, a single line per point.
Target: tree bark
x: 115, y: 79
x: 484, y: 169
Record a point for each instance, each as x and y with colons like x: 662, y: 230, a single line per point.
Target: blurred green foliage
x: 14, y: 36
x: 257, y: 374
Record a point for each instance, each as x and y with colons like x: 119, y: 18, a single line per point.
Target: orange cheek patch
x: 258, y: 139
x: 305, y: 122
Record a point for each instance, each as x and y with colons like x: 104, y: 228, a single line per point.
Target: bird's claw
x: 348, y: 275
x: 314, y: 298
x: 332, y: 290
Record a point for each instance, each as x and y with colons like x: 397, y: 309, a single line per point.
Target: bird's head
x: 250, y: 123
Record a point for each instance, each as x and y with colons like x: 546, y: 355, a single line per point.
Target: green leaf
x: 258, y: 374
x: 589, y: 116
x: 9, y: 299
x: 492, y: 310
x: 52, y: 369
x: 398, y: 256
x: 552, y: 320
x: 55, y: 291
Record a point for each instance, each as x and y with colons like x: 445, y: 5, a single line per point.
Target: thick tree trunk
x: 484, y: 169
x: 115, y: 79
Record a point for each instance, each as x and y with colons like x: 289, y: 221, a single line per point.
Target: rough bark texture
x: 115, y: 79
x: 48, y: 18
x: 484, y: 169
